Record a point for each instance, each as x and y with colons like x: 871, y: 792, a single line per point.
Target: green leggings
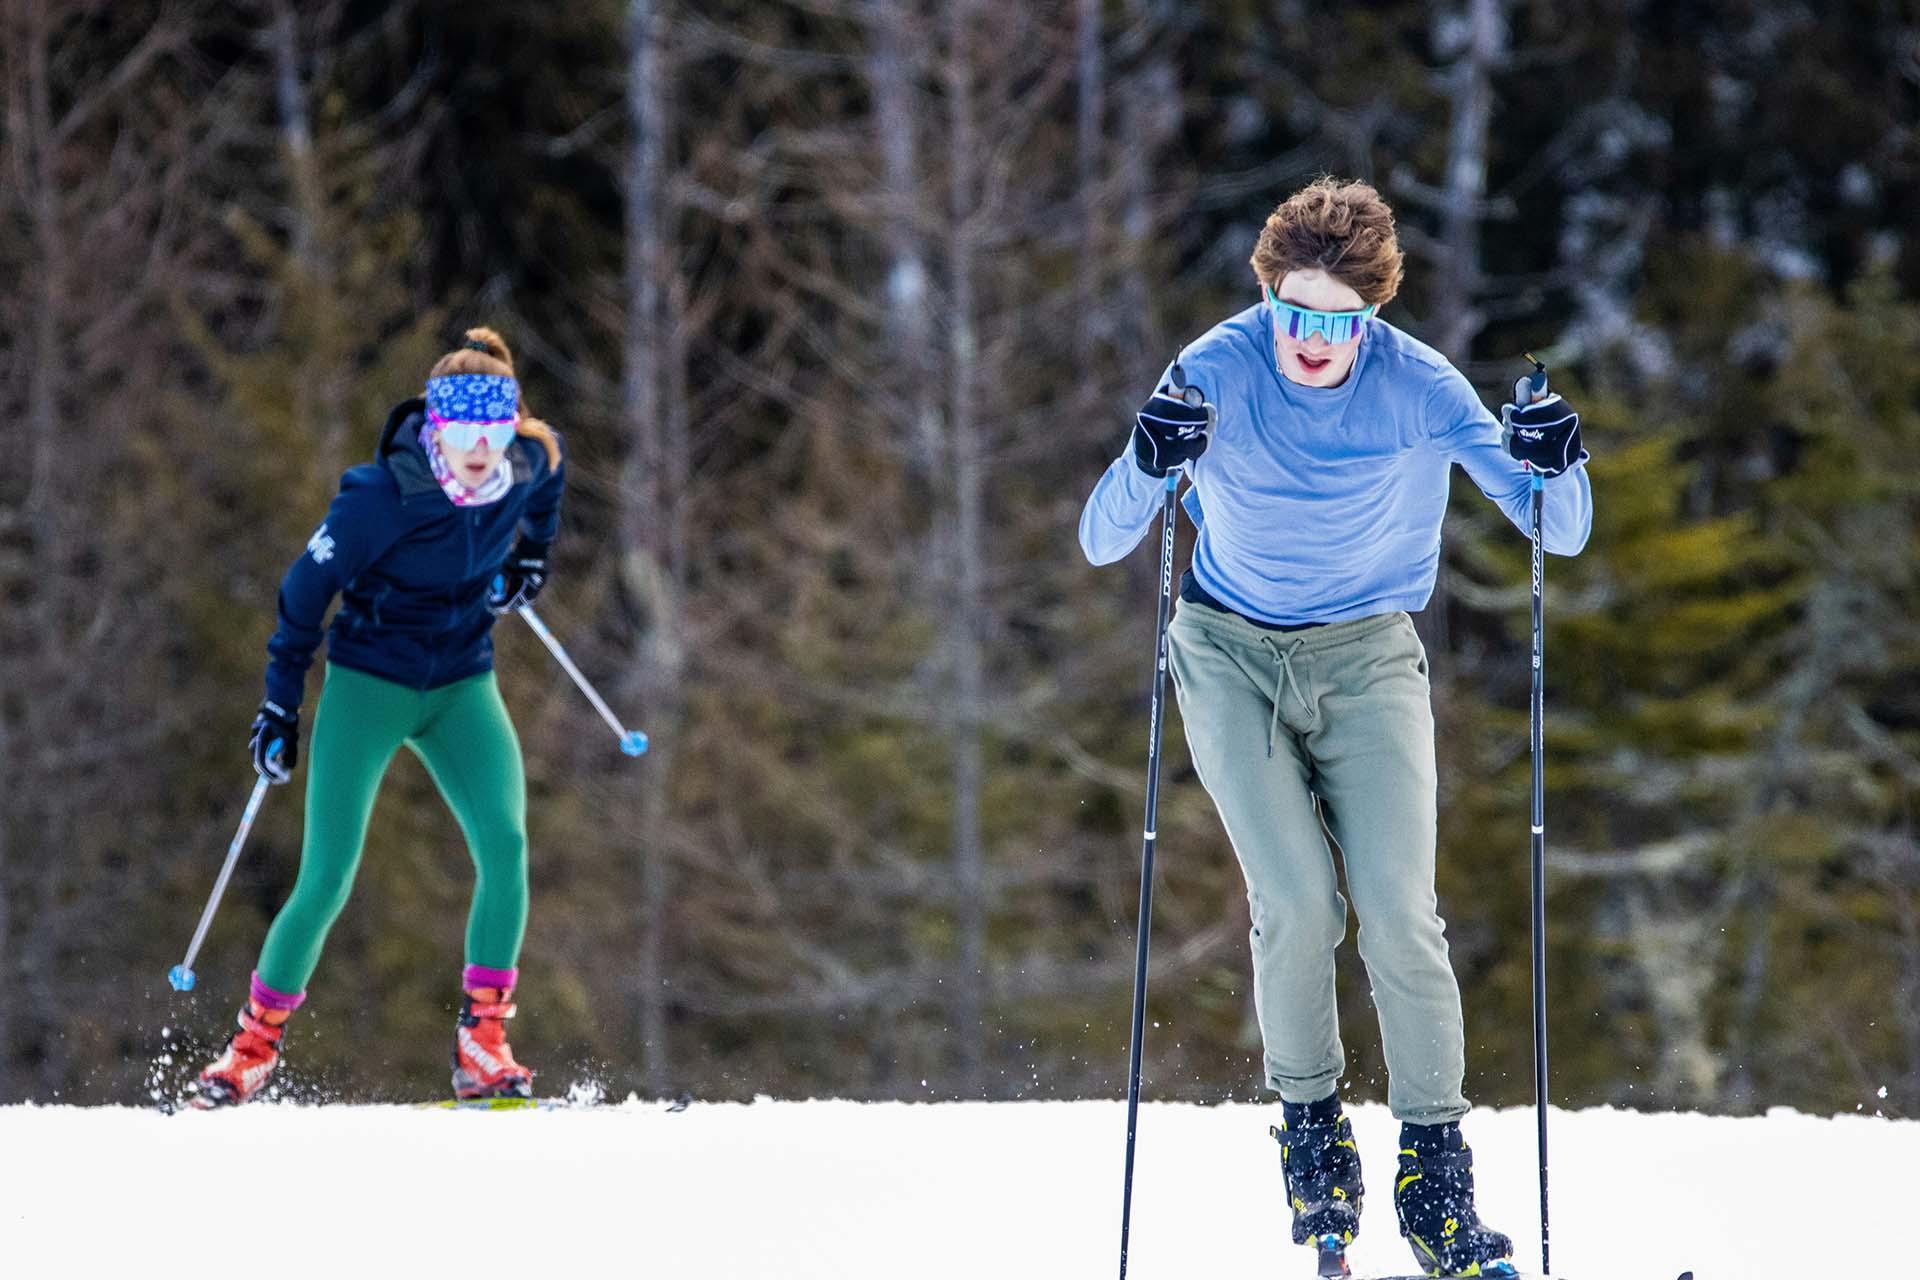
x: 462, y: 733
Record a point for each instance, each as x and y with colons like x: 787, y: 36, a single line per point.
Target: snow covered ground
x: 848, y: 1191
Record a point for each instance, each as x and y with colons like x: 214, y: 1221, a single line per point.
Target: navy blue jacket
x: 412, y: 569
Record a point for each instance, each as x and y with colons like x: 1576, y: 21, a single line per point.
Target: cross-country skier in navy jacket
x: 426, y: 546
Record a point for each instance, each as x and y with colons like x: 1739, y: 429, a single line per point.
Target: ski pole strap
x: 497, y: 1010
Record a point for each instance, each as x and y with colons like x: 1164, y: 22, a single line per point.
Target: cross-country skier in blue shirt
x: 1319, y: 467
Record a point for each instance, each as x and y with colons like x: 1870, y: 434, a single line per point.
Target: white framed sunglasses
x: 1303, y: 322
x: 471, y: 435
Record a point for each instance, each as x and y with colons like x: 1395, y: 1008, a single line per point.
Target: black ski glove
x: 275, y: 742
x: 520, y: 579
x: 1545, y: 435
x: 1170, y: 431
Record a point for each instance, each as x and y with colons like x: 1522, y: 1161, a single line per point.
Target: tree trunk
x: 49, y: 236
x: 1457, y: 318
x: 1092, y: 111
x: 1677, y: 954
x: 1149, y: 113
x: 296, y: 133
x: 892, y: 69
x: 1743, y: 1038
x: 319, y: 412
x: 1456, y: 315
x: 649, y: 519
x: 7, y: 763
x: 42, y: 805
x: 969, y: 678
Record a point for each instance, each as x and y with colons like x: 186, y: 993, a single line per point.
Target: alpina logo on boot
x: 320, y: 545
x: 478, y: 1052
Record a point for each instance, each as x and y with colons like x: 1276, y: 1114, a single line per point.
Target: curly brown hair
x: 486, y: 352
x: 1342, y: 228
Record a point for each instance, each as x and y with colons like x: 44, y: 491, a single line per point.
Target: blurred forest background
x: 843, y: 305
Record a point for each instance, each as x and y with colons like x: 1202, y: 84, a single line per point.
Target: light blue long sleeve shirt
x: 1322, y: 504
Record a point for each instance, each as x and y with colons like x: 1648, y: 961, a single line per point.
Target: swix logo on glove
x: 1169, y: 433
x: 1545, y: 435
x: 320, y: 545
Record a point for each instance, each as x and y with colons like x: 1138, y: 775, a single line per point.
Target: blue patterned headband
x: 472, y: 397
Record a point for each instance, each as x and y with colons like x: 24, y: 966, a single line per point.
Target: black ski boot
x: 1322, y: 1168
x: 1433, y: 1196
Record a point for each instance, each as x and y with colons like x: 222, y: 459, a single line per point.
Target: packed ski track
x: 900, y: 1191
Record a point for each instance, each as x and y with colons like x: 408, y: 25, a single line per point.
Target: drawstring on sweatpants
x: 1282, y: 679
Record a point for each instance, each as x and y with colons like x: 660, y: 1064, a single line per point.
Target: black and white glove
x: 1545, y: 435
x: 275, y: 743
x: 520, y: 578
x: 1170, y: 431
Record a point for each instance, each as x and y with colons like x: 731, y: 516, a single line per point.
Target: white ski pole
x: 181, y: 975
x: 632, y: 741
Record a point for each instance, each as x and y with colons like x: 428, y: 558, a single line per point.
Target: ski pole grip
x: 1192, y: 396
x: 1531, y: 388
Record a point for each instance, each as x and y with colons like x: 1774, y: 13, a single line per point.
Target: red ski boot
x: 251, y: 1055
x: 483, y: 1065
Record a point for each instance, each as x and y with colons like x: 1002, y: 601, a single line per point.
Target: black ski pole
x: 1529, y: 390
x: 1168, y: 506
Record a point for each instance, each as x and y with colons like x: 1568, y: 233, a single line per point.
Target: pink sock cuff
x: 267, y: 998
x: 478, y: 975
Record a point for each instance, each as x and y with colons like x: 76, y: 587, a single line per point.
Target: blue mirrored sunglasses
x: 1303, y: 322
x: 469, y: 435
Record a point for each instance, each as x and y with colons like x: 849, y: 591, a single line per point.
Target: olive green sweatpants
x: 462, y: 733
x: 1333, y: 723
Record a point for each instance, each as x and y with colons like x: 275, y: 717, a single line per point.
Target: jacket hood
x: 400, y: 451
